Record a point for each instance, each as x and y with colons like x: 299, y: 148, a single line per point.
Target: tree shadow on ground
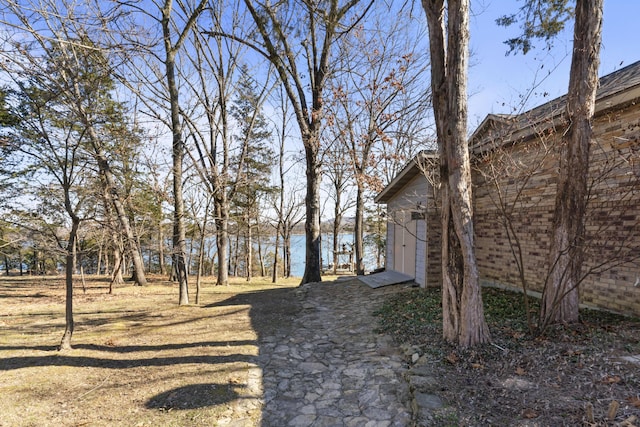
x: 271, y: 309
x: 194, y: 396
x: 272, y: 313
x: 60, y: 359
x: 133, y: 348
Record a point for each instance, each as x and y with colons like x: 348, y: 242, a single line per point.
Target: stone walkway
x: 330, y: 368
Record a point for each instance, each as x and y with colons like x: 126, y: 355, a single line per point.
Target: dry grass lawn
x: 139, y: 359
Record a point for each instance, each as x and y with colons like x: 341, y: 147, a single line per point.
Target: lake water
x: 298, y: 252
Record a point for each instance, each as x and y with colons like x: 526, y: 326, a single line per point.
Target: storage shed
x: 515, y: 166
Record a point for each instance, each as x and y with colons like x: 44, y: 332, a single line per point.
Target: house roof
x: 413, y: 168
x: 616, y: 89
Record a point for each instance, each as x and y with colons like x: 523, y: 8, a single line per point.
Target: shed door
x: 405, y: 244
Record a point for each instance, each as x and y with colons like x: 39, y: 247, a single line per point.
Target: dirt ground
x: 581, y: 375
x: 139, y: 359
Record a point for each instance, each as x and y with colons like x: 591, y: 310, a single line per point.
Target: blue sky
x: 498, y: 83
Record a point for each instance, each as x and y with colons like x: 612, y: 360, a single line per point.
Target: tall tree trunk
x: 249, y: 251
x: 463, y: 315
x: 101, y: 251
x: 281, y: 174
x: 237, y: 266
x: 138, y: 265
x: 309, y: 115
x: 260, y: 257
x: 116, y: 243
x: 280, y: 207
x: 560, y: 301
x: 177, y: 150
x: 112, y: 195
x: 65, y: 343
x: 107, y: 265
x: 161, y: 264
x: 233, y: 266
x: 201, y: 250
x: 359, y: 231
x: 222, y: 241
x: 111, y: 192
x: 118, y: 262
x: 312, y: 268
x: 274, y: 271
x: 190, y: 250
x: 200, y: 265
x: 287, y: 252
x: 213, y: 258
x: 337, y: 221
x: 177, y: 147
x: 36, y: 261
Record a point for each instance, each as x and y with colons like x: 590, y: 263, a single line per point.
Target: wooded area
x: 138, y: 133
x: 129, y: 124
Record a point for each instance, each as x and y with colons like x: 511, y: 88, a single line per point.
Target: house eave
x: 412, y: 169
x: 554, y: 121
x: 618, y: 90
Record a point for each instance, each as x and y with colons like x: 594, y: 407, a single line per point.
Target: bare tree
x: 117, y: 247
x: 219, y: 156
x: 200, y: 206
x: 152, y: 74
x: 304, y: 73
x: 378, y: 87
x: 463, y: 314
x: 158, y: 188
x: 340, y: 175
x: 285, y: 200
x: 509, y: 176
x: 172, y: 47
x: 113, y: 197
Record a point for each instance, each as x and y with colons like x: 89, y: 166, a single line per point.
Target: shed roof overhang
x: 412, y: 169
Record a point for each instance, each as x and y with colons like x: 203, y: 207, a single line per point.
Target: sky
x: 498, y: 83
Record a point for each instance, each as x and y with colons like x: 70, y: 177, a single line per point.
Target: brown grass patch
x: 139, y: 359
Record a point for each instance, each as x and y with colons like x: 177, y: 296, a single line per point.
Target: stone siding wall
x: 421, y: 253
x: 434, y: 249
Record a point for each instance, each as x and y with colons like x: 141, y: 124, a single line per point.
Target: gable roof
x: 620, y: 88
x: 615, y: 90
x: 413, y: 168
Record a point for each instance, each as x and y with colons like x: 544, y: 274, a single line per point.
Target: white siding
x: 407, y: 200
x: 409, y: 196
